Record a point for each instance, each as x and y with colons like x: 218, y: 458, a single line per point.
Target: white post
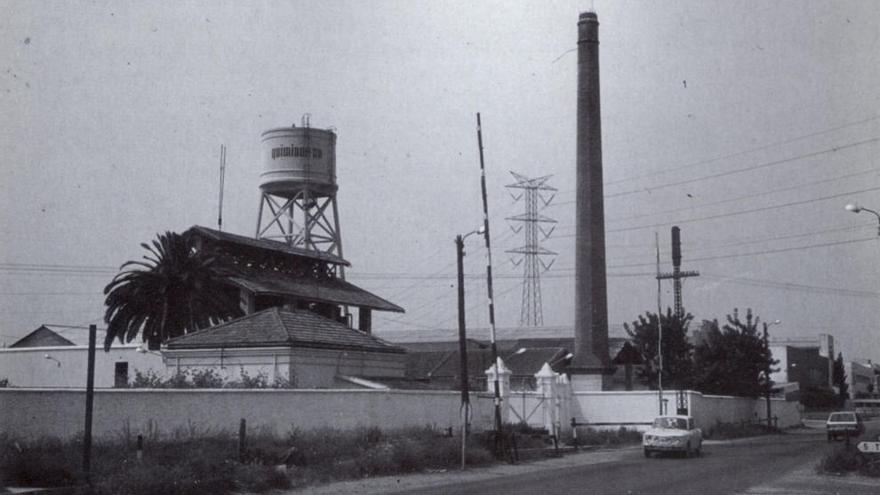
x: 546, y: 379
x: 503, y: 384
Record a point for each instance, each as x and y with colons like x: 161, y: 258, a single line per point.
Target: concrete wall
x: 31, y: 413
x: 29, y: 367
x: 642, y: 407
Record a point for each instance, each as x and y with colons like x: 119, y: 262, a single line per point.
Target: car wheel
x: 830, y: 437
x: 647, y: 453
x: 687, y: 451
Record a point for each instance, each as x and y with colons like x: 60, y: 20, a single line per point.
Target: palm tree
x: 175, y: 291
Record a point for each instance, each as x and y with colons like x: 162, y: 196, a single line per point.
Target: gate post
x: 503, y: 385
x: 546, y: 379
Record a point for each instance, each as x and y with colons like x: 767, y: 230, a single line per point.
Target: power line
x: 758, y: 253
x: 743, y: 152
x: 741, y: 212
x: 759, y: 166
x: 795, y: 286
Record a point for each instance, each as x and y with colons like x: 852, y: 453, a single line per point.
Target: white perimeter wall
x: 28, y: 366
x: 643, y: 406
x: 32, y: 413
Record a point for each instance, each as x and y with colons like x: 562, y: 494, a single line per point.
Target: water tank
x: 297, y: 159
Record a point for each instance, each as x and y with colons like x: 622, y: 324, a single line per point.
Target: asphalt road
x: 724, y: 468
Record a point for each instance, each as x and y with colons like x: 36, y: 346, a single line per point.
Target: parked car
x: 673, y: 433
x: 844, y: 423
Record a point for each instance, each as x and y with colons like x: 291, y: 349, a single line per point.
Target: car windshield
x: 842, y: 417
x: 671, y: 423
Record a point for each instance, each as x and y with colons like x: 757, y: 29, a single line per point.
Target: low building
x: 861, y: 378
x: 57, y: 356
x: 808, y: 363
x: 290, y: 348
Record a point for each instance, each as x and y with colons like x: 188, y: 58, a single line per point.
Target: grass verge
x: 208, y: 463
x: 849, y: 460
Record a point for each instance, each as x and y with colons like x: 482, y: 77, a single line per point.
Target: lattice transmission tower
x: 533, y: 257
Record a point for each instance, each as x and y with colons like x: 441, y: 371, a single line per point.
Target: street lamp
x: 767, y: 387
x: 50, y: 358
x: 465, y: 409
x: 857, y: 208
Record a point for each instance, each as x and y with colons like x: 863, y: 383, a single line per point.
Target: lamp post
x: 50, y: 358
x: 465, y: 408
x: 857, y: 208
x: 767, y: 386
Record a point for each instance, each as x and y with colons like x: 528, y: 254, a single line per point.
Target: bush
x: 621, y: 436
x: 841, y: 461
x: 206, y: 378
x: 730, y: 431
x: 45, y: 462
x: 4, y: 383
x: 846, y: 460
x: 820, y: 398
x: 194, y: 462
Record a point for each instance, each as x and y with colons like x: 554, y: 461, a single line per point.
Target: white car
x: 673, y: 434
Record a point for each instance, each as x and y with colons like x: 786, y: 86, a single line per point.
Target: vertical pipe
x: 497, y: 386
x: 90, y: 396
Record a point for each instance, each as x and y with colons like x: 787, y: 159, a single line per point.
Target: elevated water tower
x: 298, y: 188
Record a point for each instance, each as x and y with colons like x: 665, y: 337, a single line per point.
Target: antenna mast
x: 222, y: 181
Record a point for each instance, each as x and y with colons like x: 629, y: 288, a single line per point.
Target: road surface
x: 777, y: 465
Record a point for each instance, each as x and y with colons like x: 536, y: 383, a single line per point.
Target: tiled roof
x: 42, y: 337
x: 330, y: 290
x: 267, y: 244
x: 278, y: 327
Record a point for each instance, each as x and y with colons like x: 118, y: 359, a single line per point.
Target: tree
x: 733, y: 360
x: 175, y: 291
x: 677, y: 350
x: 838, y: 379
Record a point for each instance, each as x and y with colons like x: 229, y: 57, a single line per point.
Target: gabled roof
x: 329, y: 290
x: 275, y: 327
x: 263, y: 244
x: 261, y: 280
x: 42, y: 337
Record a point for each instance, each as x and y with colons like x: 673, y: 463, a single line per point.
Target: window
x: 120, y: 376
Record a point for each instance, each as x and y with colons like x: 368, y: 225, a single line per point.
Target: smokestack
x: 591, y: 310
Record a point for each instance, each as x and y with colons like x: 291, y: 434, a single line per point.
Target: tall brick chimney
x: 591, y: 359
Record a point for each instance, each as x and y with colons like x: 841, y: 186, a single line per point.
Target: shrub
x: 148, y: 379
x: 46, y: 462
x: 730, y: 431
x: 4, y: 383
x: 206, y: 378
x: 841, y: 461
x: 620, y: 436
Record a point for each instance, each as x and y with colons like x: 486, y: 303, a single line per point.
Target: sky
x: 750, y: 125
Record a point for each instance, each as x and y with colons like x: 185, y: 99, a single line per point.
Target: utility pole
x: 659, y: 330
x: 677, y: 274
x: 90, y: 397
x: 465, y: 408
